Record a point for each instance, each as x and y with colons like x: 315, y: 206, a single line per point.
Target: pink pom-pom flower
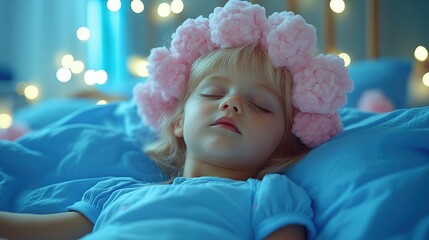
x: 236, y: 24
x: 168, y: 72
x: 15, y: 131
x: 192, y: 39
x: 290, y: 41
x: 322, y: 86
x: 151, y: 105
x: 374, y: 100
x: 313, y: 129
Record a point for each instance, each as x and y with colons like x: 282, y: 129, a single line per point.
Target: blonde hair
x: 169, y: 151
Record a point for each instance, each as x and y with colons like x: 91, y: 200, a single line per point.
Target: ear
x: 178, y: 127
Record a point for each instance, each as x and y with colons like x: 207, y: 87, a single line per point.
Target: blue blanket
x: 369, y: 182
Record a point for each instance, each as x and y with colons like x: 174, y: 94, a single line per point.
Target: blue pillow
x: 370, y: 182
x: 388, y: 75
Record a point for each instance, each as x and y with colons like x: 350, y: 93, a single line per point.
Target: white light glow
x: 138, y: 66
x: 137, y: 6
x: 164, y: 10
x: 346, y: 58
x: 337, y: 6
x: 177, y: 6
x: 426, y: 79
x: 83, y: 33
x: 77, y: 67
x: 5, y: 120
x: 67, y: 61
x: 114, y: 5
x: 101, y: 77
x: 64, y: 75
x: 421, y: 53
x: 31, y: 92
x: 90, y: 77
x: 101, y: 102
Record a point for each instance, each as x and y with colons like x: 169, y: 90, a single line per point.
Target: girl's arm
x: 289, y: 232
x: 68, y: 225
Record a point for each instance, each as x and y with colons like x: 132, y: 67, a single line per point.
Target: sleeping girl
x: 235, y: 100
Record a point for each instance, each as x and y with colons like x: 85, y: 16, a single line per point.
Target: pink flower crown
x: 320, y: 82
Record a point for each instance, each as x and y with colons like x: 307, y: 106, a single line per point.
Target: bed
x: 369, y: 182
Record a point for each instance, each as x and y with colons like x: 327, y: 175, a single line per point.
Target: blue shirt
x: 195, y: 208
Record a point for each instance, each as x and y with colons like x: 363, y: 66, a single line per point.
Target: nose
x: 231, y: 104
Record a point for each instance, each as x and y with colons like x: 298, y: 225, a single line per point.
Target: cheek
x: 271, y: 134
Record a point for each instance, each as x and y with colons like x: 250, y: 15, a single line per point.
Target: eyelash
x: 261, y: 108
x: 216, y: 96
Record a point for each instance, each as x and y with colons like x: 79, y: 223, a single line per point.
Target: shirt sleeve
x: 102, y: 194
x: 279, y: 202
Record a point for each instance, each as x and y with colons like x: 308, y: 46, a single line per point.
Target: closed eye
x: 211, y: 95
x: 263, y: 109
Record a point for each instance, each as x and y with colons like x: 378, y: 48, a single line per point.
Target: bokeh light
x: 90, y: 77
x: 164, y: 10
x: 346, y: 58
x: 337, y: 6
x: 177, y: 6
x: 426, y: 79
x: 137, y: 6
x: 421, y: 53
x: 114, y: 5
x: 64, y: 75
x: 83, y: 33
x: 5, y: 120
x: 101, y: 102
x: 138, y: 66
x: 101, y: 77
x: 67, y: 61
x: 77, y: 67
x: 31, y: 92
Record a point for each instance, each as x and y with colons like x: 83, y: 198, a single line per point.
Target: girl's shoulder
x: 281, y: 189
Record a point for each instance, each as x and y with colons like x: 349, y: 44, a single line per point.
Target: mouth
x: 227, y: 123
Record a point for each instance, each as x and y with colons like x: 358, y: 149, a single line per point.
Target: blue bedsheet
x: 370, y: 182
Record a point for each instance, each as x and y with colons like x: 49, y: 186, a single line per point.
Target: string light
x: 5, y: 120
x: 176, y: 6
x: 337, y: 6
x: 31, y: 92
x: 114, y: 5
x: 102, y: 102
x: 426, y: 79
x: 164, y: 10
x: 83, y: 33
x: 138, y: 66
x: 77, y: 67
x: 137, y: 6
x: 421, y: 53
x: 64, y: 74
x: 346, y: 58
x: 67, y: 61
x: 92, y: 77
x: 101, y: 77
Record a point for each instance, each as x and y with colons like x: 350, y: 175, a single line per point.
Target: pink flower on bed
x: 374, y: 100
x: 313, y: 129
x: 192, y: 39
x: 168, y: 72
x: 14, y: 132
x: 237, y: 23
x: 322, y: 86
x: 290, y: 40
x: 151, y: 105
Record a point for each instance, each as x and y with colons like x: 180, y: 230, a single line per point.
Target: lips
x: 227, y: 123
